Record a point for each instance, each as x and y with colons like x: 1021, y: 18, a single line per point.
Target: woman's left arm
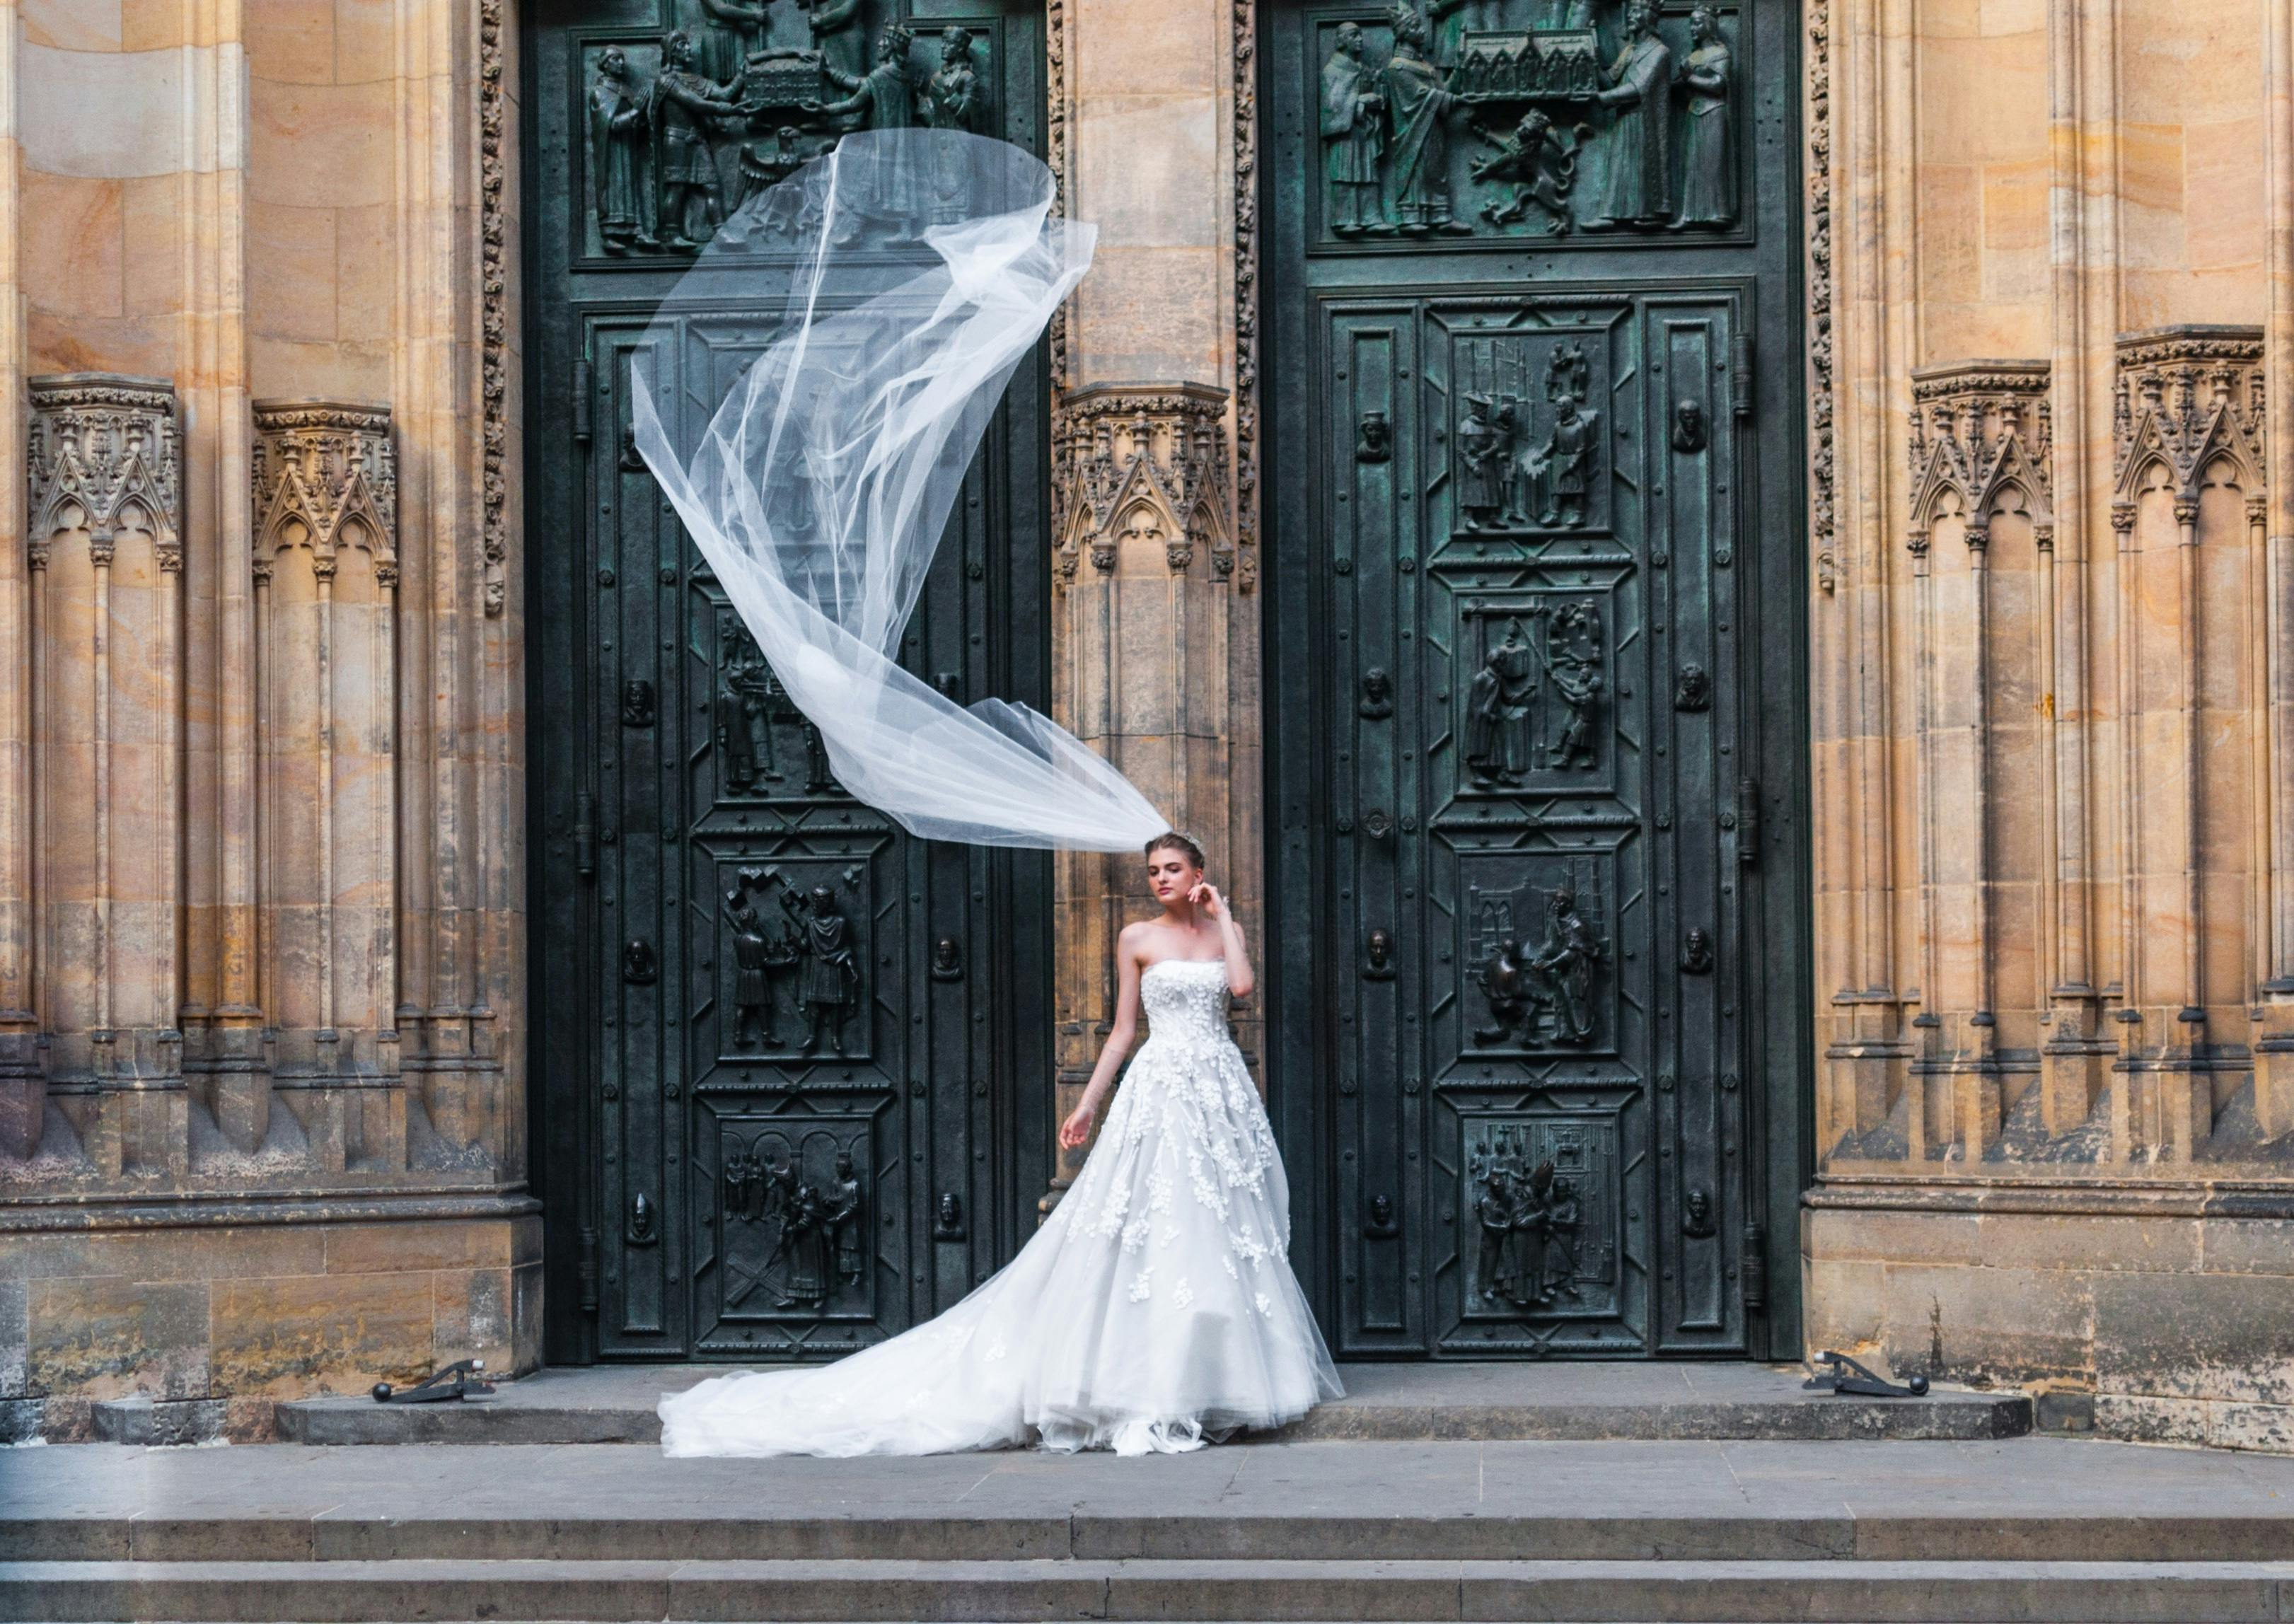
x: 1238, y: 978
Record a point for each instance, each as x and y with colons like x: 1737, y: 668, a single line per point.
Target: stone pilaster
x: 23, y: 1096
x: 326, y: 585
x: 1145, y: 576
x: 2196, y: 780
x: 1155, y: 643
x: 1980, y: 447
x: 106, y: 556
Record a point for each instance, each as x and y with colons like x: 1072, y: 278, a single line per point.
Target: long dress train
x: 1155, y: 1307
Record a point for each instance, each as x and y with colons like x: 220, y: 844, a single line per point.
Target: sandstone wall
x: 2052, y: 283
x: 261, y: 883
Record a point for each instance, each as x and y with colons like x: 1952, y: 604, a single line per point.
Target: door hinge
x: 1740, y: 374
x: 583, y: 384
x: 1748, y: 823
x: 585, y: 835
x: 588, y: 1271
x: 1753, y: 1270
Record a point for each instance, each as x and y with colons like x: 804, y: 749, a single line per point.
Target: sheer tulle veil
x: 915, y: 270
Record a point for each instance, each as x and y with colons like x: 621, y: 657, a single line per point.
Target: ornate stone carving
x: 1245, y: 126
x: 494, y: 304
x: 1817, y: 71
x: 104, y: 456
x: 2188, y: 397
x: 1978, y: 429
x: 1147, y: 463
x: 325, y: 470
x: 1055, y: 159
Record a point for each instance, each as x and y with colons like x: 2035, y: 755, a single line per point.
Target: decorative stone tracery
x: 1978, y: 430
x: 1143, y: 464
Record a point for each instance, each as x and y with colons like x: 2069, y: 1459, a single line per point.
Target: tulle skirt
x: 1154, y: 1310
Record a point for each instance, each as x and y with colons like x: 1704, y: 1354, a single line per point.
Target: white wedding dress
x: 1153, y: 1310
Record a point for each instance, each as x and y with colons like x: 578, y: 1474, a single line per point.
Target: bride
x: 1154, y: 1310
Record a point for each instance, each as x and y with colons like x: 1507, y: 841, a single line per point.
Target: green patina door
x: 1535, y: 515
x: 790, y: 1065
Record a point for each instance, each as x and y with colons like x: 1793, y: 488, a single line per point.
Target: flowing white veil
x: 921, y: 267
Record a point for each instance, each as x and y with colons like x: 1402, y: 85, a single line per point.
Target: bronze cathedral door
x: 1534, y: 526
x: 791, y: 1066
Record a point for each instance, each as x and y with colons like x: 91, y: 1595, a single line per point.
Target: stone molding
x: 329, y: 468
x: 1245, y: 114
x: 1056, y: 159
x: 1978, y: 429
x: 493, y: 301
x: 2029, y: 1190
x: 2187, y: 397
x: 104, y: 445
x: 1139, y: 460
x: 1817, y: 214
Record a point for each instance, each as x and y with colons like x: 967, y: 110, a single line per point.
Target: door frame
x: 1303, y: 951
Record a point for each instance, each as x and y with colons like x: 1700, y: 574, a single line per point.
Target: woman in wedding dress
x: 1154, y: 1310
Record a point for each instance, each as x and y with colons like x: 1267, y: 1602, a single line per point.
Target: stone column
x: 1155, y: 652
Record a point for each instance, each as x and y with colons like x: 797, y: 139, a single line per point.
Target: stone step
x: 1927, y: 1592
x: 1414, y: 1402
x: 346, y: 1535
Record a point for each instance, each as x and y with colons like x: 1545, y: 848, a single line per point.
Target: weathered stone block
x: 107, y: 1337
x: 2197, y: 1336
x: 285, y: 1336
x: 15, y: 1336
x: 158, y: 1424
x: 1988, y: 1325
x: 399, y: 1248
x: 21, y: 1420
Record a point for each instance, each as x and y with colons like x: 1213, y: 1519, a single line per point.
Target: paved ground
x: 1395, y: 1403
x: 87, y: 1500
x: 2028, y: 1530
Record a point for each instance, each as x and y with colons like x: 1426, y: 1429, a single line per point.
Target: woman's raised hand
x: 1205, y: 896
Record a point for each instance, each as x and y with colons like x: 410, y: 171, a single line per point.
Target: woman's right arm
x: 1077, y: 1128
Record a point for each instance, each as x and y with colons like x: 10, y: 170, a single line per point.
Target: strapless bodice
x: 1184, y: 998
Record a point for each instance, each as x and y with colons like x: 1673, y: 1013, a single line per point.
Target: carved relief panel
x: 1535, y: 832
x: 681, y: 122
x: 1551, y: 120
